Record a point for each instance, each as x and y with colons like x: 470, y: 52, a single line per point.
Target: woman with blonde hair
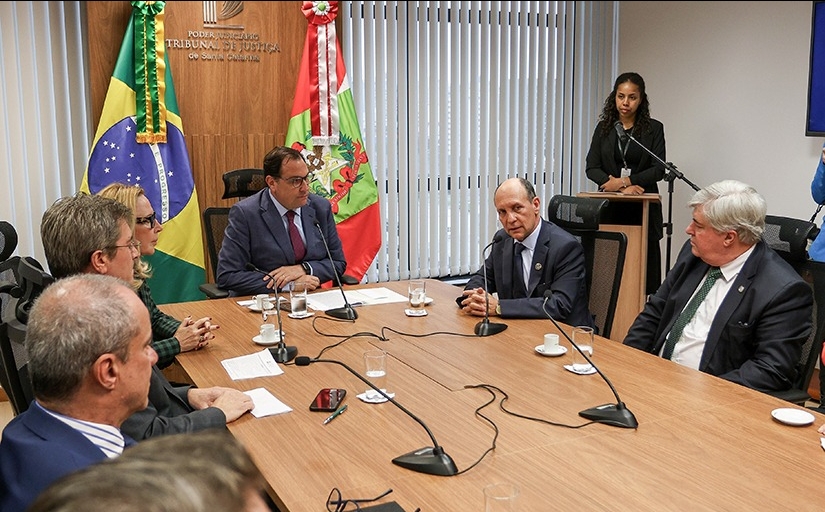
x: 170, y: 336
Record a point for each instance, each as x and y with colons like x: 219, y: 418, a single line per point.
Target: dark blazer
x: 604, y: 160
x: 36, y: 450
x: 558, y: 265
x: 757, y: 335
x: 169, y: 412
x: 256, y: 234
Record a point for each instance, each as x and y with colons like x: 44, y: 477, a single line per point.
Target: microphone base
x: 344, y: 313
x: 487, y: 328
x: 611, y: 414
x: 283, y: 354
x: 427, y: 460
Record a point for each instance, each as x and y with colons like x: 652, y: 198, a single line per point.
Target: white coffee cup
x: 551, y: 342
x: 259, y: 300
x: 268, y: 333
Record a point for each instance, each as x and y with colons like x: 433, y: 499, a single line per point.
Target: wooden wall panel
x: 233, y: 111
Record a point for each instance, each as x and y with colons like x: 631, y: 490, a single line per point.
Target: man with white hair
x: 730, y: 306
x: 90, y: 362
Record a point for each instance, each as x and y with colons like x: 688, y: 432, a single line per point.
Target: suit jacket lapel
x: 731, y: 302
x: 539, y: 255
x: 275, y: 225
x: 308, y: 218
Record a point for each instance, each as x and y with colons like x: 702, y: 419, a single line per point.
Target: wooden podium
x: 628, y: 214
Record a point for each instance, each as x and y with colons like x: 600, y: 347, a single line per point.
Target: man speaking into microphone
x: 533, y: 257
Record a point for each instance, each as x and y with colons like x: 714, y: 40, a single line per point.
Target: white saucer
x: 573, y: 368
x: 379, y: 400
x: 428, y: 301
x: 559, y: 350
x: 306, y: 315
x: 790, y: 416
x: 412, y: 312
x: 257, y: 339
x: 255, y: 308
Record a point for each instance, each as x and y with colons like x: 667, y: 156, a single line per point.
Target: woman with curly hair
x: 621, y: 166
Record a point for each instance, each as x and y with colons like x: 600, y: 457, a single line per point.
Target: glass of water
x: 375, y: 362
x: 417, y: 295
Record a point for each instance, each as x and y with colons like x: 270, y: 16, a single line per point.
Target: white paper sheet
x: 265, y: 403
x: 364, y: 297
x: 259, y: 364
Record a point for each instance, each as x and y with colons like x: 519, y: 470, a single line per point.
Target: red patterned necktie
x: 295, y: 237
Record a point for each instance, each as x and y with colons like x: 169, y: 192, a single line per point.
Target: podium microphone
x: 282, y: 353
x: 485, y: 327
x: 347, y: 312
x: 620, y: 131
x: 616, y: 414
x: 431, y: 460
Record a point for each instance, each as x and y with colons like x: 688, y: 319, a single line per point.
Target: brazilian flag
x: 139, y: 141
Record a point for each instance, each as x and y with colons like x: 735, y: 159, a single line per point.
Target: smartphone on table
x: 328, y: 399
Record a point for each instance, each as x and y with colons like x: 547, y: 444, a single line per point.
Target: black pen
x: 335, y: 414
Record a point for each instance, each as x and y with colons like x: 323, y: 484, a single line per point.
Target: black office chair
x: 242, y: 182
x: 813, y: 272
x: 604, y: 253
x: 215, y: 220
x: 8, y: 240
x: 18, y: 294
x: 789, y: 237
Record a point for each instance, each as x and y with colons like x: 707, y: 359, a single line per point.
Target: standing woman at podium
x: 624, y: 167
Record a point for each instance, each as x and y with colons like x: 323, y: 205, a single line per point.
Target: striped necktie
x: 689, y: 311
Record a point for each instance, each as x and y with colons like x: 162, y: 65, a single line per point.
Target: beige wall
x: 729, y: 81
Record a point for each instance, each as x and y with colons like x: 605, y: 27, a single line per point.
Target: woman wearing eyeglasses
x: 170, y: 336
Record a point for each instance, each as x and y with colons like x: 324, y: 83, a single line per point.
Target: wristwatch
x: 306, y: 267
x: 498, y: 309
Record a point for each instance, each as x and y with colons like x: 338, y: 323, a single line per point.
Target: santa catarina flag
x: 139, y: 141
x: 324, y: 127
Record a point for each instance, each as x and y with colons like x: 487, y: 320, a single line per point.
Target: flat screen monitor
x: 816, y: 76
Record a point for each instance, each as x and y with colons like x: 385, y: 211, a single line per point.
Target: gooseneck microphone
x: 282, y: 353
x: 347, y: 312
x: 616, y: 414
x: 431, y: 460
x: 485, y: 327
x: 620, y: 132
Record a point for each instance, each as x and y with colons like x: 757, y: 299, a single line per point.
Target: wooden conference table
x: 702, y: 442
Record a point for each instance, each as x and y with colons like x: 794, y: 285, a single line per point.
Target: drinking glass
x: 417, y: 295
x: 583, y: 337
x: 375, y: 362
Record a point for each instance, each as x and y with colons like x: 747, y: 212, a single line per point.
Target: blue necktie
x: 689, y: 311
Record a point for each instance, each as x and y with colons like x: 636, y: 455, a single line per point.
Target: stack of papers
x: 364, y: 297
x: 258, y: 364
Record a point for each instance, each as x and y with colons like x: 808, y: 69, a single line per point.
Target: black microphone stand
x: 616, y: 414
x: 282, y: 353
x: 431, y: 460
x: 346, y: 312
x: 485, y: 327
x: 671, y: 173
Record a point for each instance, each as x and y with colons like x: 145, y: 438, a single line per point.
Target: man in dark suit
x: 756, y: 314
x: 549, y: 258
x: 275, y: 230
x: 90, y: 361
x: 93, y: 235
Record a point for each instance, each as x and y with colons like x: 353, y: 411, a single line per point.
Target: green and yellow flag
x: 139, y: 141
x: 324, y: 127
